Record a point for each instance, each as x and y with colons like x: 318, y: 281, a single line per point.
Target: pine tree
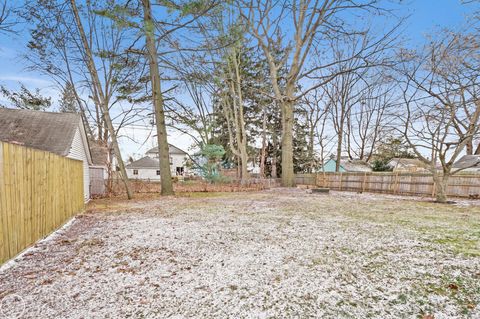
x: 68, y: 100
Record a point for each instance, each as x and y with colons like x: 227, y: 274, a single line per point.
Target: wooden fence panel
x: 39, y: 191
x: 460, y: 185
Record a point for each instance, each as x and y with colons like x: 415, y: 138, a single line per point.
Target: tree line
x: 283, y: 84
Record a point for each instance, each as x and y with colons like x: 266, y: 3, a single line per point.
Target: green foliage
x: 393, y: 147
x: 213, y: 155
x: 68, y: 101
x: 184, y: 8
x: 381, y: 165
x: 26, y: 99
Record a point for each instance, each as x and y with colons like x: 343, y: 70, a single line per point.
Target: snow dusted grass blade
x: 279, y: 253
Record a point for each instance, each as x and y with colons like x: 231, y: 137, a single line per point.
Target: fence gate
x: 97, y: 181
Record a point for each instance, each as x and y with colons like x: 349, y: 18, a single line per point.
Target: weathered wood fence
x: 39, y: 191
x: 461, y: 185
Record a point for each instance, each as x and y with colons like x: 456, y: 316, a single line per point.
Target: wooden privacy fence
x: 461, y: 185
x: 39, y: 191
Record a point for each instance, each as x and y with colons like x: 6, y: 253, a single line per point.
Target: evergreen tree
x: 26, y: 99
x: 68, y: 101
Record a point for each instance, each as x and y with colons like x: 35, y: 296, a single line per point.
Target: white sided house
x: 59, y: 133
x: 148, y: 167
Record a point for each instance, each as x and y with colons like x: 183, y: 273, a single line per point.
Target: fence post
x: 364, y: 182
x: 340, y: 180
x: 396, y: 186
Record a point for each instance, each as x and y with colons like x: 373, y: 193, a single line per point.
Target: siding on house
x: 78, y: 151
x: 147, y: 167
x: 144, y: 173
x: 330, y: 166
x: 177, y: 160
x: 347, y: 165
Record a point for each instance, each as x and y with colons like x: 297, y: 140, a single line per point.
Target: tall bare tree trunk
x: 100, y: 98
x: 339, y: 151
x: 163, y: 149
x: 240, y: 121
x: 263, y: 154
x: 311, y: 153
x: 341, y: 128
x: 288, y: 177
x: 274, y: 156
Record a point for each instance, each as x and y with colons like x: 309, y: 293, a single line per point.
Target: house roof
x: 406, y: 162
x: 145, y: 162
x: 467, y: 161
x: 99, y: 153
x: 171, y: 149
x: 355, y: 165
x: 46, y: 131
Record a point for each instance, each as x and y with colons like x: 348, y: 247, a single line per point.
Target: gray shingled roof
x: 355, y: 165
x: 145, y: 162
x: 467, y: 161
x: 46, y: 131
x: 406, y: 162
x: 99, y: 153
x: 171, y: 149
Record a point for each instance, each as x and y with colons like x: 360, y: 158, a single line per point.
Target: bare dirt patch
x: 278, y: 253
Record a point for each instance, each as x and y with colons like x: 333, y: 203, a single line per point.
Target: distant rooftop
x: 145, y: 162
x: 171, y: 148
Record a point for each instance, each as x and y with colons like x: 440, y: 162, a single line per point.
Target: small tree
x: 442, y: 104
x: 213, y: 155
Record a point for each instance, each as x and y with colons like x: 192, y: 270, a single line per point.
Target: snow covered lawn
x: 271, y: 254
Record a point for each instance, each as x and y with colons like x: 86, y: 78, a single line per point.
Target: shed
x: 59, y: 133
x: 99, y: 168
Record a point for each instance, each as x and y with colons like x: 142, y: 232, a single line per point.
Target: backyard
x: 265, y: 254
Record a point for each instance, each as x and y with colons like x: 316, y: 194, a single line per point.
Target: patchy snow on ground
x: 273, y: 254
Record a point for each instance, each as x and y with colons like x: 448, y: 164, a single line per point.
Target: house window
x: 180, y: 171
x: 135, y: 172
x: 158, y: 172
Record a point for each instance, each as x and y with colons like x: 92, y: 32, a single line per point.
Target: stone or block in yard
x: 321, y: 190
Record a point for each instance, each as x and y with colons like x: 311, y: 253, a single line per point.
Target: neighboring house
x: 99, y: 168
x: 148, y: 166
x: 347, y: 165
x: 408, y: 165
x: 468, y: 164
x: 59, y: 133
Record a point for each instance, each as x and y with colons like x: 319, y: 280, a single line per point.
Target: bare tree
x: 310, y: 20
x: 6, y: 24
x: 442, y: 107
x: 316, y: 111
x: 99, y: 95
x: 369, y: 119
